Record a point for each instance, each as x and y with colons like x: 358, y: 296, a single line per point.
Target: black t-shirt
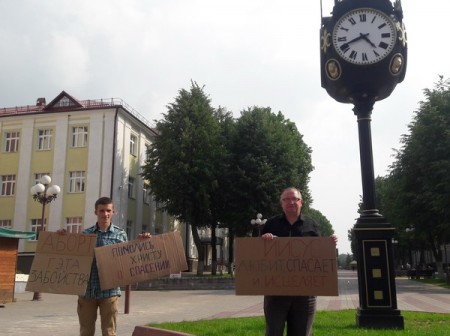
x: 304, y: 226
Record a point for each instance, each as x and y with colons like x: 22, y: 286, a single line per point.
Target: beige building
x: 89, y: 148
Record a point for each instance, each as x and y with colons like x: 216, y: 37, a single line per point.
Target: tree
x: 220, y: 199
x: 268, y: 155
x: 185, y: 160
x: 416, y: 193
x: 351, y: 238
x: 326, y: 229
x: 344, y: 260
x: 212, y: 170
x: 265, y: 154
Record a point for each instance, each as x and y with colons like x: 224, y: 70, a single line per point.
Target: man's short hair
x: 293, y: 189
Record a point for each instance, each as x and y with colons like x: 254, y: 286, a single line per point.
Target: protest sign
x: 139, y: 260
x: 62, y: 263
x: 286, y: 266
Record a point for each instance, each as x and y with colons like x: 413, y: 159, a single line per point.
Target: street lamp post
x: 396, y: 254
x: 258, y: 223
x: 44, y: 194
x: 411, y: 254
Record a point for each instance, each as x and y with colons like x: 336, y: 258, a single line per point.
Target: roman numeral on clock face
x: 383, y: 45
x: 345, y: 47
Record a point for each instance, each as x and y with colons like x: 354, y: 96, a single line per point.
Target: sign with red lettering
x: 286, y: 266
x: 139, y: 260
x: 62, y: 263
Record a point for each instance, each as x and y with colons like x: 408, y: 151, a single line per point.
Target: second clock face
x: 364, y: 36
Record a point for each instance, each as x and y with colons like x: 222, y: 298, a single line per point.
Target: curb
x: 149, y: 331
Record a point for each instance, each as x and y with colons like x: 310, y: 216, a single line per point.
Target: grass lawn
x: 436, y: 282
x: 327, y: 323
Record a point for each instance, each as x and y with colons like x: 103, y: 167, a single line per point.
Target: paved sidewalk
x: 56, y: 314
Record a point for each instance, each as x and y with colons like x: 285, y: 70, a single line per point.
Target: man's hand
x: 144, y: 235
x: 335, y: 238
x: 268, y: 236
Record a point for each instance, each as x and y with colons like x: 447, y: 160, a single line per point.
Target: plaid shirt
x: 113, y: 235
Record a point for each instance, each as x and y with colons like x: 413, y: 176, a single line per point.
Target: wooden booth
x: 9, y: 244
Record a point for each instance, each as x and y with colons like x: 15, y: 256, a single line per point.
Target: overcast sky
x: 245, y: 53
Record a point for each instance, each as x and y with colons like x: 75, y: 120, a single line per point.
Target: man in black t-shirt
x: 297, y: 312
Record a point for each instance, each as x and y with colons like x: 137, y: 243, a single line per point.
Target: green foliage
x: 185, y: 159
x: 268, y: 155
x: 326, y: 323
x: 326, y: 228
x: 416, y: 193
x: 209, y: 169
x: 351, y: 238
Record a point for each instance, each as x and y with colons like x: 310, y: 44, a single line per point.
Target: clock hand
x: 361, y: 36
x: 364, y: 36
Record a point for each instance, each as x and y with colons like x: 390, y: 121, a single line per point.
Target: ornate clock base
x: 371, y: 319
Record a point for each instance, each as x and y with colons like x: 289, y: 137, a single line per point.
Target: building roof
x: 7, y: 233
x: 65, y: 102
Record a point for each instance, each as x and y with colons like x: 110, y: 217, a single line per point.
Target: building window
x: 76, y: 181
x: 131, y: 187
x: 8, y: 183
x: 146, y: 194
x: 64, y: 101
x: 12, y: 142
x: 5, y: 223
x: 38, y: 177
x: 133, y: 145
x: 44, y: 139
x: 74, y: 224
x: 79, y: 136
x: 36, y: 226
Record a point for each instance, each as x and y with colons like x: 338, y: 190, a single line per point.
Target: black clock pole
x: 363, y: 56
x: 376, y: 272
x: 363, y: 111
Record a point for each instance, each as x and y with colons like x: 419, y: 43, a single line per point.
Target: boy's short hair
x: 103, y: 201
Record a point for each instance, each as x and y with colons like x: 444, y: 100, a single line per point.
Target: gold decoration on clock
x: 325, y: 40
x: 333, y: 69
x: 402, y: 37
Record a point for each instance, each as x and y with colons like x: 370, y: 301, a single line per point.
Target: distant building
x: 89, y: 148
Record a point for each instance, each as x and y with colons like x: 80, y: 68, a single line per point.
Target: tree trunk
x: 213, y: 249
x: 200, y: 250
x: 231, y: 251
x: 186, y: 248
x: 437, y: 253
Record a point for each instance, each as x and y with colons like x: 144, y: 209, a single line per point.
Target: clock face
x: 364, y: 36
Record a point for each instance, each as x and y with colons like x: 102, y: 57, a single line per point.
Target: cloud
x: 246, y: 53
